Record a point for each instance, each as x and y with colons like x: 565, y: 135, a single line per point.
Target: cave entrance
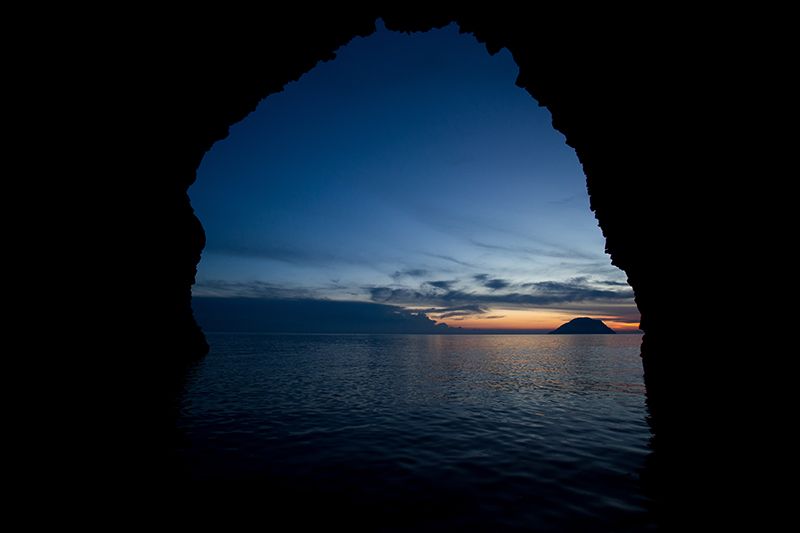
x: 387, y: 221
x: 407, y: 186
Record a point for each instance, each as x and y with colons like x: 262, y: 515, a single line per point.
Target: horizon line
x: 452, y: 332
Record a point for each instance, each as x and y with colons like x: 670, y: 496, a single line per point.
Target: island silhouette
x: 583, y: 326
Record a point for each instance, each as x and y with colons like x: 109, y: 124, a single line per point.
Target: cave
x: 624, y: 117
x: 208, y: 90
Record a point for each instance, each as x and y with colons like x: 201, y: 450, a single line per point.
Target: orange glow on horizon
x: 532, y: 319
x: 622, y: 327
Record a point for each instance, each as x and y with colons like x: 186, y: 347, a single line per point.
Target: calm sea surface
x: 427, y: 432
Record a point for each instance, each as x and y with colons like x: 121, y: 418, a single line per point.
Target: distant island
x: 583, y: 326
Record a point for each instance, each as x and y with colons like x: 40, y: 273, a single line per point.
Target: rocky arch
x: 604, y: 100
x: 621, y: 95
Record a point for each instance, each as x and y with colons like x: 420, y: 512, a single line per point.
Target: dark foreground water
x: 426, y: 432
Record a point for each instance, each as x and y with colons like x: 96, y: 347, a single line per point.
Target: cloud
x: 496, y: 284
x: 633, y: 321
x: 448, y: 299
x: 397, y: 309
x: 538, y: 294
x: 454, y: 314
x: 442, y: 284
x: 410, y: 273
x: 248, y: 289
x: 555, y: 251
x: 622, y: 309
x: 462, y: 225
x: 389, y: 294
x: 576, y: 281
x: 451, y: 259
x: 461, y: 311
x: 276, y: 252
x: 613, y: 283
x: 291, y: 254
x: 575, y: 290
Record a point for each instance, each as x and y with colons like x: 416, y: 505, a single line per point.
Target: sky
x: 412, y: 175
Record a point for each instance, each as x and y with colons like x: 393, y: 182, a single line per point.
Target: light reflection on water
x: 507, y: 431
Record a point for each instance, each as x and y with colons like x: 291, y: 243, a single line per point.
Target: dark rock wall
x: 630, y: 99
x: 610, y: 93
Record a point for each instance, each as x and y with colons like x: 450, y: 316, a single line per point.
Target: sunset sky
x: 410, y: 172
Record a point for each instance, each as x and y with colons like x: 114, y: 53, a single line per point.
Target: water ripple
x: 499, y: 432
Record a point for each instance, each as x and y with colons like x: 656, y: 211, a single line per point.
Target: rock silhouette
x: 646, y: 114
x: 583, y: 326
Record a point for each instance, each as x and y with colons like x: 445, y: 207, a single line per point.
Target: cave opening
x: 386, y: 207
x: 411, y: 174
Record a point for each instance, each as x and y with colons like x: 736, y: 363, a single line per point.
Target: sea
x: 424, y: 432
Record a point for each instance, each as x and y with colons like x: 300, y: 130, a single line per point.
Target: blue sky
x: 410, y: 171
